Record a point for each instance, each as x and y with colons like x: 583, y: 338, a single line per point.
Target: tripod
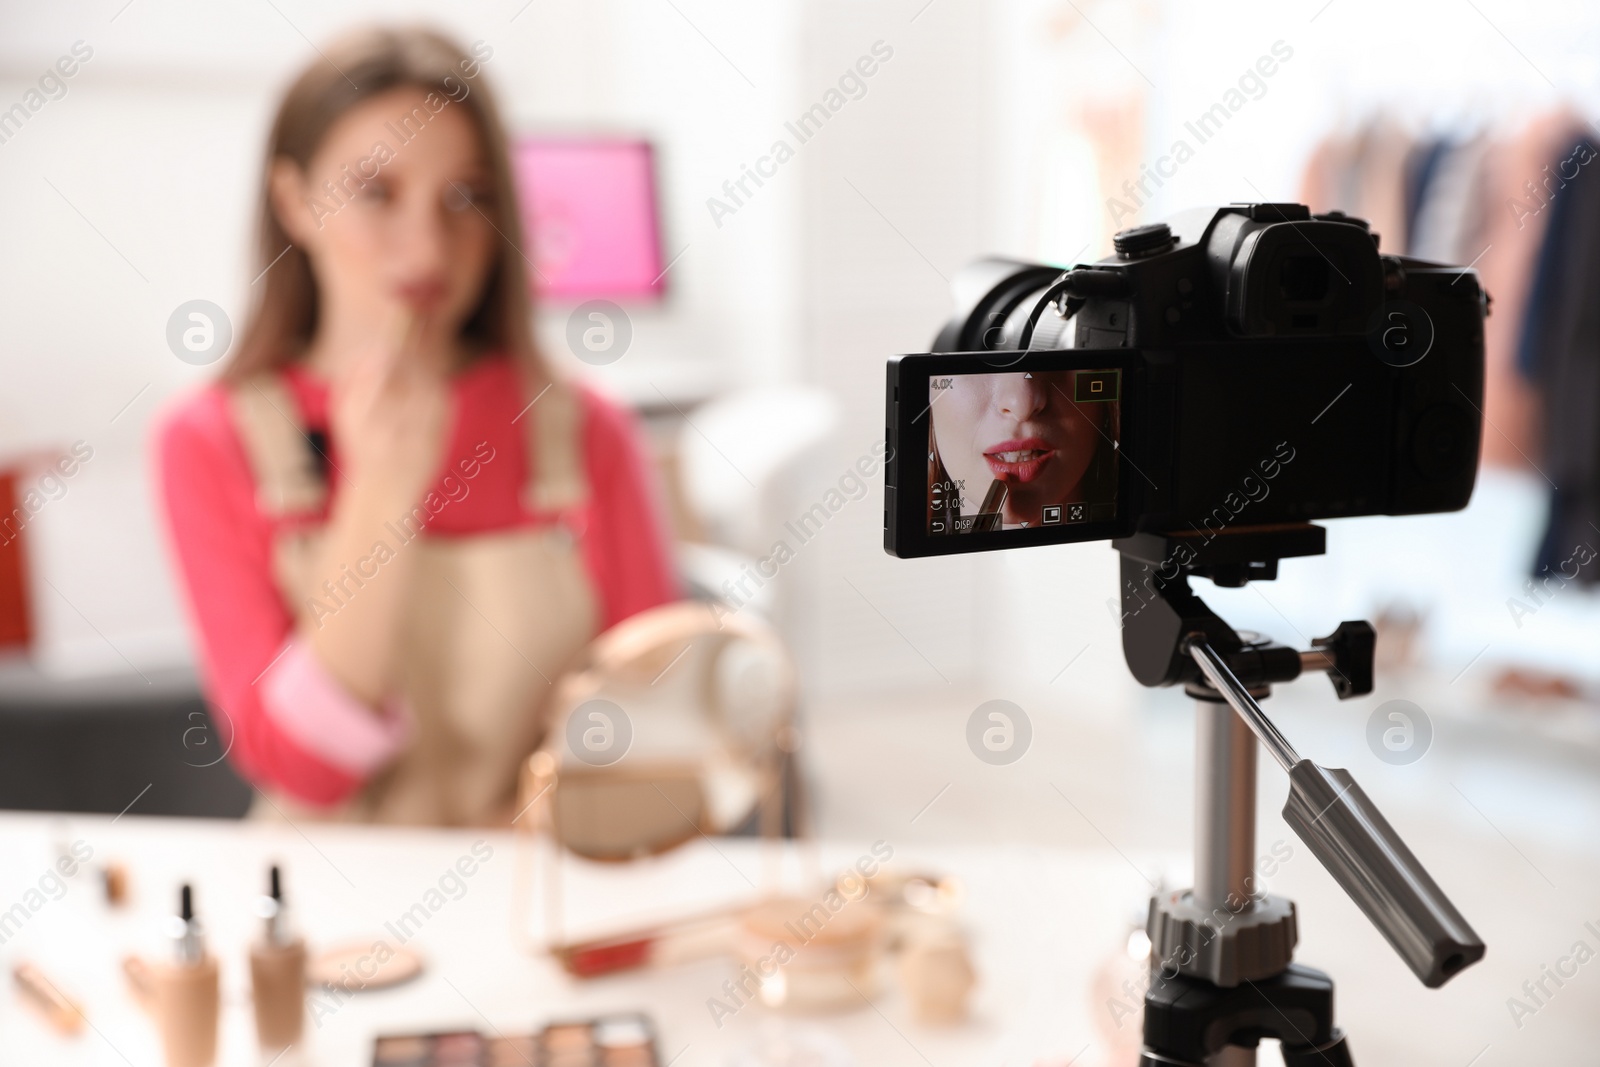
x: 1223, y: 975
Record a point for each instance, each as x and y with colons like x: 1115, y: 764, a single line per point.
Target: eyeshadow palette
x: 623, y: 1040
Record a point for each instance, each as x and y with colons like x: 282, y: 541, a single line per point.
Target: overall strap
x: 289, y: 479
x: 554, y: 436
x: 288, y: 476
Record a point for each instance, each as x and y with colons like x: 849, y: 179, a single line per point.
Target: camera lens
x: 1303, y: 279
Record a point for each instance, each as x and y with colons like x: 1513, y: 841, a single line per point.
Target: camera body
x: 1260, y: 365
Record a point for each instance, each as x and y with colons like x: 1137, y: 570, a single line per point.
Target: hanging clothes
x: 1422, y: 168
x: 1512, y: 238
x: 1560, y: 351
x: 1364, y: 174
x: 1447, y: 222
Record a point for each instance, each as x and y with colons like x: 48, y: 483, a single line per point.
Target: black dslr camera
x: 1200, y: 398
x: 1244, y: 366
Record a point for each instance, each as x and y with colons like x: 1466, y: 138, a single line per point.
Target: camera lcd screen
x: 1021, y: 450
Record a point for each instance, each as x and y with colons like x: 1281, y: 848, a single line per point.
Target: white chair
x: 744, y: 461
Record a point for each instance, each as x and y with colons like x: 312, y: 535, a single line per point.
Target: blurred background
x: 759, y: 319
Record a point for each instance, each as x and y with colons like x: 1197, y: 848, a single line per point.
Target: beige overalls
x: 492, y: 620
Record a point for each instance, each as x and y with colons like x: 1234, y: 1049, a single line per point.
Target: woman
x: 1007, y: 446
x: 395, y: 527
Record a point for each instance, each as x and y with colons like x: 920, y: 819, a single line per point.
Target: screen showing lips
x: 1022, y: 449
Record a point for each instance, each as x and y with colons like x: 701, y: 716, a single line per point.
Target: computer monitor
x: 590, y: 213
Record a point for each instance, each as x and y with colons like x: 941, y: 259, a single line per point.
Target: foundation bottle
x: 184, y: 992
x: 277, y: 973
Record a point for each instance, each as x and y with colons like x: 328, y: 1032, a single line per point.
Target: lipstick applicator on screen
x: 992, y: 511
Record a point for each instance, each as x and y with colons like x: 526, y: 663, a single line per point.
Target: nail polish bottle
x: 185, y: 992
x: 277, y: 973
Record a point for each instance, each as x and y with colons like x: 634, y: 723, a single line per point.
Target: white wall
x: 971, y: 140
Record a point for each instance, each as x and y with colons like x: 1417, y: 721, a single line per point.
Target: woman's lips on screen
x: 424, y: 295
x: 1019, y: 460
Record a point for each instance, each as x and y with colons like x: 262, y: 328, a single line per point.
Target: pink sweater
x: 287, y: 723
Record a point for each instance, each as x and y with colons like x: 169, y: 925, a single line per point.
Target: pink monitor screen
x: 589, y: 206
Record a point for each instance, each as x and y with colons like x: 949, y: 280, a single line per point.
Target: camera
x: 1248, y: 365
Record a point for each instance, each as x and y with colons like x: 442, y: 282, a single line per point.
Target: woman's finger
x: 402, y: 329
x: 368, y: 370
x: 395, y: 352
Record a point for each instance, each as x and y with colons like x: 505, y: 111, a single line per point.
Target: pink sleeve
x: 625, y: 545
x: 282, y: 717
x: 305, y: 702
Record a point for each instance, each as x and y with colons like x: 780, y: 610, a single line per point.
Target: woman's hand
x: 390, y: 415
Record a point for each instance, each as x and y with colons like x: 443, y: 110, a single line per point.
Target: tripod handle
x: 1224, y: 681
x: 1351, y: 838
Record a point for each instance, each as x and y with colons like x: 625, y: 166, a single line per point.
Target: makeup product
x: 461, y: 1048
x: 58, y: 1010
x: 621, y: 1040
x: 936, y: 974
x: 141, y: 983
x: 914, y: 901
x: 696, y: 937
x: 356, y: 966
x: 809, y: 954
x: 184, y: 991
x: 991, y: 513
x: 277, y: 972
x: 114, y: 879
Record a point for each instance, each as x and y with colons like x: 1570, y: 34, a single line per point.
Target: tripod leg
x: 1194, y: 1023
x: 1335, y: 1053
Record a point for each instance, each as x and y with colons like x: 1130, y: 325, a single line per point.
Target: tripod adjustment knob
x: 1350, y: 648
x: 1221, y: 945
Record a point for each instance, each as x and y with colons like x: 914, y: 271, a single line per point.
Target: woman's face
x: 1020, y: 428
x: 392, y: 225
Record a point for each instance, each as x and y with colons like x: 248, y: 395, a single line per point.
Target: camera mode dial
x: 1143, y: 240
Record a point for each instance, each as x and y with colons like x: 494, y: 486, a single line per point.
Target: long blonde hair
x: 349, y: 72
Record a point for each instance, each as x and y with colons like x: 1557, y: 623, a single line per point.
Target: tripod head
x: 1170, y: 636
x: 1160, y: 611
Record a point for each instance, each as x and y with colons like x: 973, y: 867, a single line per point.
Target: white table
x: 1041, y: 921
